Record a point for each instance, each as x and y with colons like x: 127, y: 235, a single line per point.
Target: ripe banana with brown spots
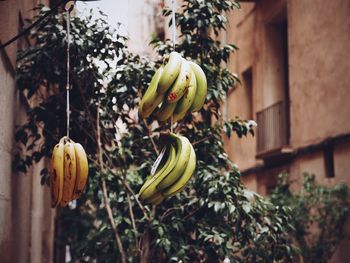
x: 68, y: 172
x: 82, y: 171
x: 182, y: 82
x: 186, y: 101
x: 56, y: 172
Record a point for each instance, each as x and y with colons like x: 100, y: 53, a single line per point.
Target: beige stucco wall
x: 141, y: 25
x: 319, y: 89
x: 318, y: 71
x: 26, y: 219
x: 319, y: 37
x: 240, y: 32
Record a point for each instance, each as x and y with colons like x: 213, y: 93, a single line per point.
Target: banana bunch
x: 68, y: 172
x: 177, y: 163
x: 179, y: 86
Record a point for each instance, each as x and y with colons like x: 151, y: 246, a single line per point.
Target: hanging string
x: 68, y: 62
x: 173, y: 10
x: 173, y: 23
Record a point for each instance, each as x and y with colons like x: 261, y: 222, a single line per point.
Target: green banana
x: 156, y: 199
x: 201, y: 92
x: 161, y: 167
x: 151, y: 99
x: 186, y: 176
x: 165, y: 111
x: 149, y: 187
x: 183, y: 150
x: 186, y: 101
x: 178, y: 89
x: 170, y: 73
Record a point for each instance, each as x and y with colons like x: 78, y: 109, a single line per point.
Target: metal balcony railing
x: 272, y: 132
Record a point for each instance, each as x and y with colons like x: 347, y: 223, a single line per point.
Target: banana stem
x: 105, y: 193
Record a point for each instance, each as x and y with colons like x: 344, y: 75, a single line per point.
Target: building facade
x: 294, y: 66
x: 26, y: 217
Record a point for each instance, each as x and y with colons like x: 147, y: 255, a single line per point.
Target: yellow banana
x: 170, y: 73
x: 186, y: 101
x: 165, y: 111
x: 149, y: 188
x: 82, y: 170
x: 201, y: 92
x: 70, y: 169
x: 151, y: 99
x: 178, y: 89
x: 57, y: 174
x: 186, y: 176
x: 183, y: 150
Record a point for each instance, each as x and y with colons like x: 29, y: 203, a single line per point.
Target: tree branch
x: 192, y: 213
x: 136, y: 199
x: 132, y: 220
x: 169, y: 211
x: 105, y: 193
x: 202, y: 140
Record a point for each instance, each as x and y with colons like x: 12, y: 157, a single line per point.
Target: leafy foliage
x: 319, y: 215
x: 214, y: 217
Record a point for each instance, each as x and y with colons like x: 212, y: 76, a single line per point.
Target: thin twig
x: 136, y: 199
x: 192, y: 213
x: 150, y: 136
x: 127, y: 186
x: 179, y: 125
x: 105, y: 194
x: 132, y: 219
x: 169, y: 211
x: 202, y: 140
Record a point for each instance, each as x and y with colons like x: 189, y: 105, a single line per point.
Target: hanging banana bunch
x: 179, y: 86
x: 68, y: 172
x: 177, y: 164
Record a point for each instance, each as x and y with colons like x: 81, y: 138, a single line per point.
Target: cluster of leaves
x: 214, y: 217
x: 319, y: 215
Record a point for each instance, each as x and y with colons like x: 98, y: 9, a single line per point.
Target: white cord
x: 68, y: 62
x: 173, y: 22
x: 173, y: 9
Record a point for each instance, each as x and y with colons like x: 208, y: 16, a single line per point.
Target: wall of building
x: 26, y: 219
x: 240, y: 31
x: 147, y: 14
x: 318, y: 62
x: 319, y: 69
x: 318, y: 82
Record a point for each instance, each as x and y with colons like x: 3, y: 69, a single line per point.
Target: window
x: 247, y: 77
x: 273, y: 134
x: 328, y: 155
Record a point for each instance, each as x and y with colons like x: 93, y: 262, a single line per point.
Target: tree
x: 214, y: 217
x: 319, y: 215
